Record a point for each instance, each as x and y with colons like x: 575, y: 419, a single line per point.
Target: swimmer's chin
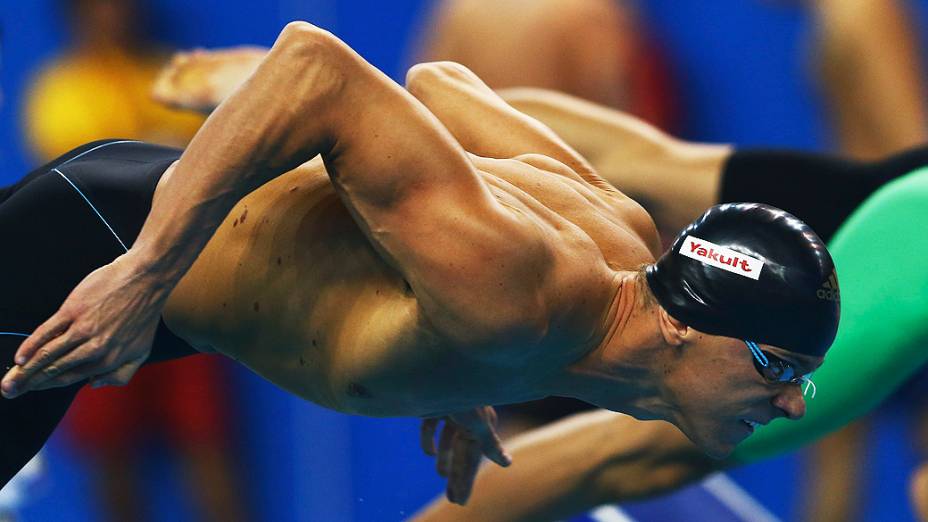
x: 715, y: 449
x: 717, y: 454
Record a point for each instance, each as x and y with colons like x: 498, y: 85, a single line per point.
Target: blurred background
x: 210, y: 441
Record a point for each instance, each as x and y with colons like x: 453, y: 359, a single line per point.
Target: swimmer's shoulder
x: 623, y: 208
x: 549, y: 164
x: 640, y: 223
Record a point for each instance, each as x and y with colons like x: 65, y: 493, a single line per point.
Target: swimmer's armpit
x: 201, y: 79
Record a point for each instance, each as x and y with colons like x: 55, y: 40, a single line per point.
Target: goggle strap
x: 809, y: 383
x: 758, y: 353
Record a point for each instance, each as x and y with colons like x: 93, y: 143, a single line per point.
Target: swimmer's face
x: 720, y: 395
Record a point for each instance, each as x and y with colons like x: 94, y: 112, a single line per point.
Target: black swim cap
x: 753, y: 272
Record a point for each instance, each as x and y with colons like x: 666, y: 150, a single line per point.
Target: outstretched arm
x: 411, y: 205
x: 650, y: 166
x: 429, y: 215
x: 107, y: 323
x: 576, y: 464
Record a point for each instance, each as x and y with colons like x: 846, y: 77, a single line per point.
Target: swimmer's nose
x: 791, y: 402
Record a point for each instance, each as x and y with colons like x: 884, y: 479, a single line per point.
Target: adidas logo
x: 829, y: 289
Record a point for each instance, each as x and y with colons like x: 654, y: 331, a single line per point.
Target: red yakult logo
x: 721, y: 257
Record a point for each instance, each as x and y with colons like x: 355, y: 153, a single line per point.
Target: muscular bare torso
x: 291, y: 287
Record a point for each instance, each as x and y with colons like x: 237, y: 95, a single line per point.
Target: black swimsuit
x: 819, y: 189
x: 58, y: 224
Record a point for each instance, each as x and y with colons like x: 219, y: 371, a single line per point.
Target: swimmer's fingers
x: 84, y: 364
x: 114, y: 313
x: 427, y: 436
x: 77, y: 364
x: 492, y: 447
x: 467, y: 455
x: 120, y: 377
x: 51, y: 329
x: 481, y: 423
x: 50, y: 345
x: 446, y: 448
x: 66, y: 378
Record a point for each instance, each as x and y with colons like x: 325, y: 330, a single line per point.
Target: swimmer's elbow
x: 305, y: 36
x: 312, y: 57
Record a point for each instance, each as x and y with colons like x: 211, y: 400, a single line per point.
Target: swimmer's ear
x: 673, y: 331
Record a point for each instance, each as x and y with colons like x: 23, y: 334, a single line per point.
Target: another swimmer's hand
x: 201, y: 79
x: 464, y: 438
x: 103, y: 331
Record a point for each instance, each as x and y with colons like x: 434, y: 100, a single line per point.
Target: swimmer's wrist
x: 166, y: 248
x: 159, y: 273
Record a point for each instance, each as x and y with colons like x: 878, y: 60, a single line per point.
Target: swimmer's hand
x: 200, y: 80
x: 464, y: 438
x: 103, y: 331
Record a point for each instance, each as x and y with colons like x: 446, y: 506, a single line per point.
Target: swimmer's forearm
x: 577, y: 464
x: 255, y: 135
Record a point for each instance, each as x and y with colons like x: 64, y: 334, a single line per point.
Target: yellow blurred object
x: 84, y: 97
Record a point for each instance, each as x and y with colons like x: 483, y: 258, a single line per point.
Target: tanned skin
x: 409, y: 271
x: 446, y: 252
x: 862, y: 42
